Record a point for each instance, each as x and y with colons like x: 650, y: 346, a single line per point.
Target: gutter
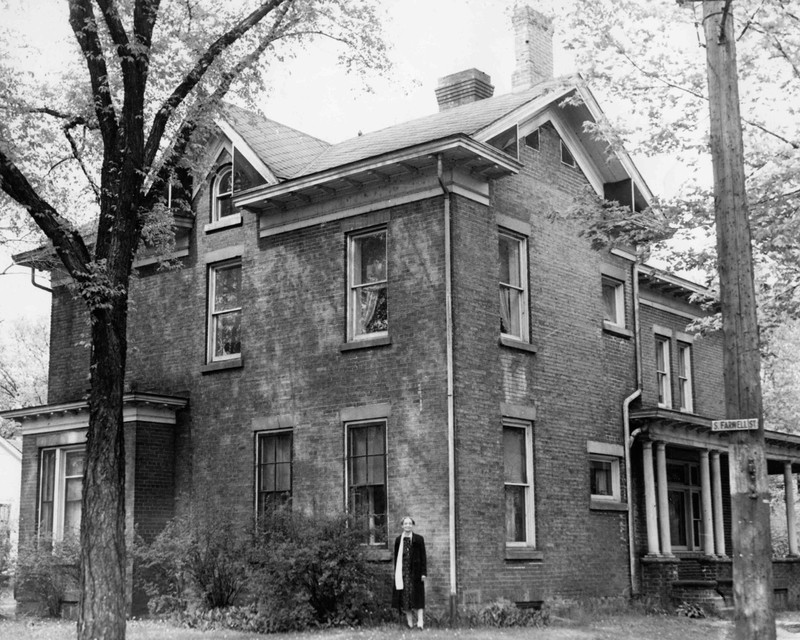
x: 626, y: 426
x: 451, y: 432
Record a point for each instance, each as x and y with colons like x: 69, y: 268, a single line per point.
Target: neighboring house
x: 397, y: 325
x: 10, y: 473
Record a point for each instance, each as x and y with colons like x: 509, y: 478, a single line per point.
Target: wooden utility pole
x: 752, y: 546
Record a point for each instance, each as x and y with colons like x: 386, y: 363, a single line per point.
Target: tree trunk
x: 752, y: 547
x: 103, y: 605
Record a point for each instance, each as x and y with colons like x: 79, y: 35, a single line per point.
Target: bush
x: 5, y: 549
x: 46, y: 571
x: 316, y: 567
x: 504, y: 613
x: 198, y: 560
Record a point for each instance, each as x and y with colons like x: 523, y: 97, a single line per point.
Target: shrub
x: 199, y: 559
x: 316, y: 566
x: 46, y: 570
x: 5, y: 549
x: 504, y: 613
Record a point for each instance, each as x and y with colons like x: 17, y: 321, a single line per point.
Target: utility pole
x: 752, y: 545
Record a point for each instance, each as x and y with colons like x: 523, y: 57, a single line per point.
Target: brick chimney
x: 533, y: 45
x: 462, y: 88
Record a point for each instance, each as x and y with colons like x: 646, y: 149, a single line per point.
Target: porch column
x: 719, y: 525
x: 663, y: 499
x: 705, y: 495
x: 789, y: 493
x: 650, y: 499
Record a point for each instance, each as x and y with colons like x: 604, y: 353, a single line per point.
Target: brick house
x: 334, y: 336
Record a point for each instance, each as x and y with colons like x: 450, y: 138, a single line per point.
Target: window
x: 274, y: 471
x: 604, y: 477
x: 513, y: 286
x: 222, y: 194
x: 60, y: 489
x: 566, y: 156
x: 685, y: 376
x: 368, y: 314
x: 662, y: 372
x: 613, y: 302
x: 5, y: 514
x: 532, y: 140
x: 518, y: 479
x: 224, y: 311
x: 685, y: 504
x: 366, y: 478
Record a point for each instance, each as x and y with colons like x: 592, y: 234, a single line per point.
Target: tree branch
x: 73, y: 118
x: 197, y: 73
x: 84, y: 25
x: 65, y: 238
x: 77, y: 155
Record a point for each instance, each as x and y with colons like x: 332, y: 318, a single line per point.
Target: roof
x: 466, y: 119
x: 11, y: 447
x: 283, y: 149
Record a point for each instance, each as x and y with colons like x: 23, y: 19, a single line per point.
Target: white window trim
x: 360, y: 423
x: 59, y: 491
x: 616, y: 487
x: 619, y: 300
x: 523, y: 275
x: 352, y: 306
x: 530, y: 524
x: 211, y: 326
x: 686, y: 382
x: 667, y: 374
x: 571, y: 155
x: 216, y: 219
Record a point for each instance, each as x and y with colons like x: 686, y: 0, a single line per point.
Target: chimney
x: 533, y: 45
x: 462, y: 88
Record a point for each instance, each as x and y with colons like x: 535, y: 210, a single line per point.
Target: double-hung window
x: 366, y: 478
x: 685, y: 376
x: 613, y: 302
x: 368, y: 298
x: 224, y: 311
x: 513, y: 286
x: 222, y: 194
x: 273, y: 471
x: 60, y: 490
x: 518, y: 481
x: 663, y: 378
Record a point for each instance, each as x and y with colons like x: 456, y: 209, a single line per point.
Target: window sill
x: 607, y: 505
x: 616, y: 330
x: 524, y: 553
x: 221, y: 365
x: 378, y: 341
x: 233, y: 220
x: 514, y: 343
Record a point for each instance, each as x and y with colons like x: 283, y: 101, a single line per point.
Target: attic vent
x: 532, y: 140
x: 566, y: 156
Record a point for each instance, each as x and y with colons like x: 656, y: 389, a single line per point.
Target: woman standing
x: 410, y: 568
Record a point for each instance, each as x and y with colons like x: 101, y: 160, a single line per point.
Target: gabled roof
x: 283, y: 149
x: 466, y: 119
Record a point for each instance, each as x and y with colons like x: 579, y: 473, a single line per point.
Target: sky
x: 429, y: 39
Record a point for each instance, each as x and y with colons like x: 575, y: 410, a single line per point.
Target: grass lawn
x: 622, y: 627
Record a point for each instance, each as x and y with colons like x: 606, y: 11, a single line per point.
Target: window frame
x: 260, y: 506
x: 349, y: 427
x: 685, y: 382
x: 619, y: 301
x: 690, y: 521
x: 567, y: 157
x: 529, y: 486
x: 521, y: 290
x: 663, y: 376
x: 213, y: 314
x: 353, y: 308
x: 57, y: 522
x: 217, y: 196
x: 616, y: 484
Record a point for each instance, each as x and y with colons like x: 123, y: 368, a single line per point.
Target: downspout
x: 451, y: 430
x: 626, y: 424
x: 36, y: 284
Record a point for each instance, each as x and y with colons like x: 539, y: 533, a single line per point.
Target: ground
x: 608, y: 628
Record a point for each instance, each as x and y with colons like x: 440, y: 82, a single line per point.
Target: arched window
x: 222, y: 194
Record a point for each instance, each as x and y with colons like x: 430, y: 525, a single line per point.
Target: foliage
x: 690, y: 610
x: 198, y: 560
x: 504, y: 613
x: 48, y: 569
x: 5, y: 550
x: 316, y: 566
x: 24, y: 353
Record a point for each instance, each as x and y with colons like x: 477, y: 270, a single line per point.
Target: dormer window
x: 222, y: 194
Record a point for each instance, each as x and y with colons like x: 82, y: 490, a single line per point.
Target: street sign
x: 734, y: 425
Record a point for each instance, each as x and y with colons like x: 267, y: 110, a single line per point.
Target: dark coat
x: 419, y: 568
